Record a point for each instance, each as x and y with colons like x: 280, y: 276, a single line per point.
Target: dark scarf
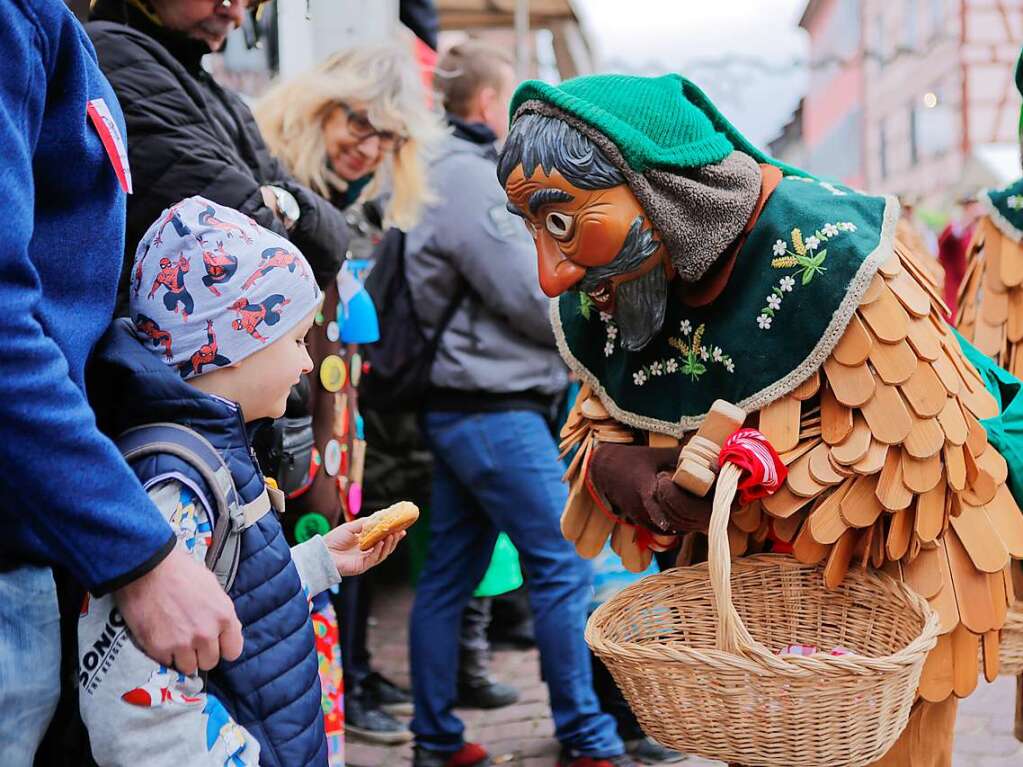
x: 476, y: 133
x: 343, y: 199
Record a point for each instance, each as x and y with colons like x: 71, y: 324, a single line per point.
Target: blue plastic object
x: 356, y: 314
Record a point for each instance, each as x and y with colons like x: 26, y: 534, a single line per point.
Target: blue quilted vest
x: 273, y: 689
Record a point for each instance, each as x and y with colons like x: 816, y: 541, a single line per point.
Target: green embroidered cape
x: 1005, y: 206
x: 796, y: 284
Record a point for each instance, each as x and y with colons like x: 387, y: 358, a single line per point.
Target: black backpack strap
x: 461, y: 293
x: 232, y: 515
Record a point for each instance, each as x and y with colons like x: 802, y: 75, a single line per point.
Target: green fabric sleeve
x: 1005, y: 430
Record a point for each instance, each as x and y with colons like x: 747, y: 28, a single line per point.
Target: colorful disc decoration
x: 333, y: 331
x: 332, y: 457
x: 333, y: 374
x: 356, y: 368
x: 309, y: 525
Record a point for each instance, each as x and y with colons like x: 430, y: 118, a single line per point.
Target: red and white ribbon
x: 764, y: 472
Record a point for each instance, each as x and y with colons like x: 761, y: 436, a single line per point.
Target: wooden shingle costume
x: 990, y: 315
x: 686, y: 267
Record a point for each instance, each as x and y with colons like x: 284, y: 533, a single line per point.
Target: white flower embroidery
x: 730, y: 366
x: 639, y: 378
x: 686, y: 327
x: 609, y: 349
x: 804, y: 264
x: 692, y: 360
x: 612, y: 331
x: 1015, y: 202
x: 605, y: 317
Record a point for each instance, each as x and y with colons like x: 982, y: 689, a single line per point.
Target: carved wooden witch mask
x: 590, y: 240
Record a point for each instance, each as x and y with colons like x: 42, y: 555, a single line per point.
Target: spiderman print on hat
x: 211, y: 287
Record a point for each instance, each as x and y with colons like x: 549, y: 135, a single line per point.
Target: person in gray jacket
x: 496, y: 380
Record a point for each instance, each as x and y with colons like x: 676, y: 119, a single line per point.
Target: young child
x: 214, y: 358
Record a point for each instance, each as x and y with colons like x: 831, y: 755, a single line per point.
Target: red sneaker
x: 469, y: 755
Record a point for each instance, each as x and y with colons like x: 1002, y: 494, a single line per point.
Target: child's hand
x: 343, y: 544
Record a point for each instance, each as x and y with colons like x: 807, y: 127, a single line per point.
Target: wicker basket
x: 699, y: 680
x: 1011, y: 655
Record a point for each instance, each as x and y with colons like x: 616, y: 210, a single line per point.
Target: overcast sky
x: 656, y: 36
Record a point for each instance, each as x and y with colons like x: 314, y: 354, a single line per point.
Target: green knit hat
x: 657, y: 122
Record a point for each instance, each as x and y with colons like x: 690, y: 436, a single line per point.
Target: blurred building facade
x: 832, y: 114
x: 545, y: 37
x: 913, y: 97
x: 789, y: 146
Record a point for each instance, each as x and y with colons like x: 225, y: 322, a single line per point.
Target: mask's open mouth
x: 603, y: 297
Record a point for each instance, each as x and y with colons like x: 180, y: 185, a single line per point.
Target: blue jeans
x: 500, y: 472
x: 29, y: 661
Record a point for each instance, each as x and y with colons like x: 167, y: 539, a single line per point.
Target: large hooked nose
x: 557, y: 273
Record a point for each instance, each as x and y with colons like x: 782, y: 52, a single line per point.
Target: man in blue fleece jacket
x: 66, y: 496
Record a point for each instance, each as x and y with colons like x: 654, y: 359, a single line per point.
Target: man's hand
x: 180, y: 616
x: 636, y: 480
x: 343, y: 544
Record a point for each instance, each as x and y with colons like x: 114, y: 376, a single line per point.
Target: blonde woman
x: 354, y: 128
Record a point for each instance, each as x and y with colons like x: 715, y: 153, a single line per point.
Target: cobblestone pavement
x: 523, y: 735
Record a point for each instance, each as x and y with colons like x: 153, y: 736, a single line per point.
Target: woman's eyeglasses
x: 360, y: 127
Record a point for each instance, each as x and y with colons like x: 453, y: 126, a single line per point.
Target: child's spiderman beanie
x: 210, y: 286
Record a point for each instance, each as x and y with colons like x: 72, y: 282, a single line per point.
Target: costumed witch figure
x: 688, y: 267
x: 990, y: 315
x: 991, y: 295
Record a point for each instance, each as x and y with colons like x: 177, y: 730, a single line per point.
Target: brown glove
x: 636, y: 481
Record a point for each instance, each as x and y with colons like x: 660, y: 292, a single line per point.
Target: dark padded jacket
x: 187, y: 136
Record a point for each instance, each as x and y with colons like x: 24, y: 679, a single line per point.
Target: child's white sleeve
x: 315, y: 566
x: 137, y: 711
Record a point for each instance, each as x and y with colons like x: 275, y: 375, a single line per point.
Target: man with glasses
x: 187, y: 135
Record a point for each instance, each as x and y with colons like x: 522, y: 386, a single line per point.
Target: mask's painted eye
x: 559, y: 225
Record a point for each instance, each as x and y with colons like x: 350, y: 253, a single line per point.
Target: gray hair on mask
x: 640, y: 305
x: 538, y: 140
x: 639, y: 245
